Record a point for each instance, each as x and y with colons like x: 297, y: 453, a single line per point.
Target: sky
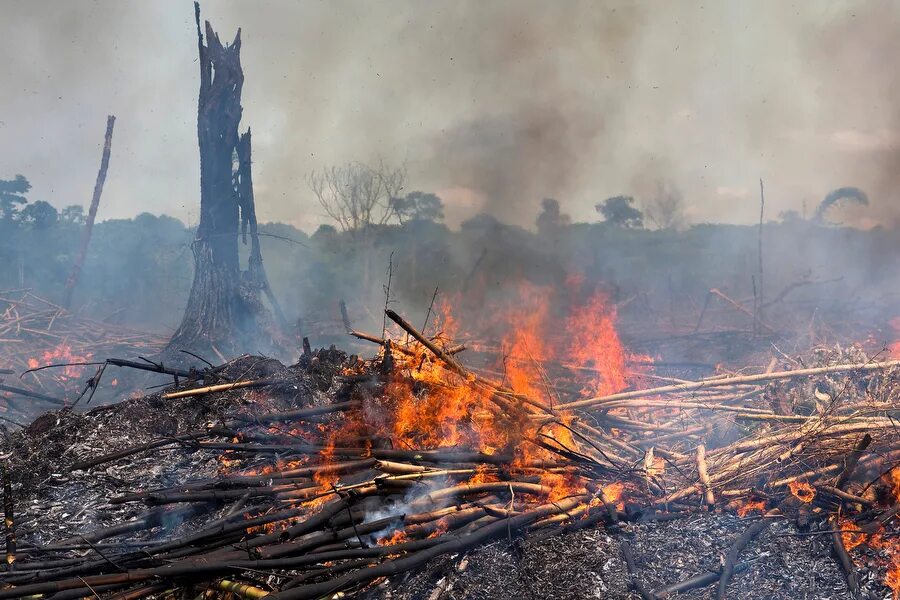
x: 492, y: 105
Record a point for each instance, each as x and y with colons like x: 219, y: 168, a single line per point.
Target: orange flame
x: 802, y: 491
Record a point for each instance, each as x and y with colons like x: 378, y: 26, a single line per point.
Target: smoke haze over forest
x: 493, y: 106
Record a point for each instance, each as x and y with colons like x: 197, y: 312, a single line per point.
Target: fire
x: 894, y: 347
x: 397, y: 537
x: 888, y: 546
x: 750, y: 506
x: 849, y: 535
x: 59, y: 354
x: 427, y: 406
x: 802, y: 491
x: 614, y: 494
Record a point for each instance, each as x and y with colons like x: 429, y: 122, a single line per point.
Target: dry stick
x: 456, y: 543
x: 708, y: 496
x: 741, y: 308
x: 837, y: 541
x: 93, y: 462
x: 739, y: 544
x: 92, y: 213
x: 840, y: 552
x: 221, y: 387
x: 698, y: 385
x: 30, y: 394
x: 852, y: 461
x: 8, y: 521
x: 634, y: 581
x: 294, y: 415
x: 455, y: 366
x: 694, y: 582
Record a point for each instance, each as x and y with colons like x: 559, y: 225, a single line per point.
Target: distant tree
x: 482, y: 222
x: 619, y: 211
x: 355, y: 195
x: 324, y: 231
x: 72, y: 214
x: 790, y: 217
x: 39, y: 215
x: 418, y: 206
x: 11, y: 195
x: 550, y: 220
x: 666, y: 209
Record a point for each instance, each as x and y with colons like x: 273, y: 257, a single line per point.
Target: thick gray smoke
x: 492, y: 105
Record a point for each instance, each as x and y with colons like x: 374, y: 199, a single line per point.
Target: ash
x: 589, y: 564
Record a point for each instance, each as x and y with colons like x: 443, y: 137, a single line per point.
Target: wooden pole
x: 759, y: 253
x: 72, y: 281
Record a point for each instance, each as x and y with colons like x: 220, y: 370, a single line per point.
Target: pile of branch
x: 306, y: 506
x: 35, y: 331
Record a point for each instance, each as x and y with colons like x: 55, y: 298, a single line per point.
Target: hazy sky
x: 494, y: 105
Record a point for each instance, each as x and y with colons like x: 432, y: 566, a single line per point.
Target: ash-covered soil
x: 55, y: 502
x: 589, y: 564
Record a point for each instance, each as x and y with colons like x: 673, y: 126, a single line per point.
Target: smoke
x: 491, y: 105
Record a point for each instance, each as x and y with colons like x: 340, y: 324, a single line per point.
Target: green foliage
x: 73, y: 215
x: 39, y: 215
x: 619, y: 211
x: 12, y: 194
x: 418, y: 206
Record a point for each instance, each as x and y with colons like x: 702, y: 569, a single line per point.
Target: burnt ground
x: 54, y: 503
x: 589, y: 564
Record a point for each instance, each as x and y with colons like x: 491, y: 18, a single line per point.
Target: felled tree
x: 223, y: 307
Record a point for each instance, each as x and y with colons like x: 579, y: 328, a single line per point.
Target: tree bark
x: 218, y: 314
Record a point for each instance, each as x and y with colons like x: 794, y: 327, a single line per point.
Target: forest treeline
x: 138, y: 271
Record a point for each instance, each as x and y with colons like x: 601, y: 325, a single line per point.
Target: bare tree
x: 223, y: 311
x: 666, y: 209
x: 355, y: 195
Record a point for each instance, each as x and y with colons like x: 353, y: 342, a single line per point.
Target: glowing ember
x: 751, y: 506
x: 61, y: 354
x: 802, y: 491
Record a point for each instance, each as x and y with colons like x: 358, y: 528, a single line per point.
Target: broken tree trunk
x: 72, y: 281
x: 220, y: 312
x: 244, y: 187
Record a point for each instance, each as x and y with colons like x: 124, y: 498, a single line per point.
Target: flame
x: 59, y: 354
x: 803, y: 491
x: 888, y: 546
x: 614, y: 494
x: 426, y: 406
x: 750, y: 506
x: 894, y: 347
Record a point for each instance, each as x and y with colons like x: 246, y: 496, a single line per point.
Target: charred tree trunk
x: 72, y: 281
x: 244, y: 186
x: 219, y: 313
